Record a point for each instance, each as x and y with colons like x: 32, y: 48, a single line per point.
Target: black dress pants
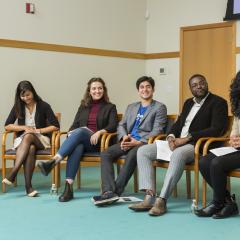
x: 215, y: 169
x: 107, y: 170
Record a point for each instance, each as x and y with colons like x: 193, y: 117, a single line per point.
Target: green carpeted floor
x: 47, y: 219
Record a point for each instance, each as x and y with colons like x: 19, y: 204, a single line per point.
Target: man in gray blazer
x: 141, y: 121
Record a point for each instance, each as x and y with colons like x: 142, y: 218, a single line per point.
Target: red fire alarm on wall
x: 30, y: 8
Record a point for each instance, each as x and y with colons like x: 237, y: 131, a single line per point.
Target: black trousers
x: 126, y: 171
x: 214, y: 170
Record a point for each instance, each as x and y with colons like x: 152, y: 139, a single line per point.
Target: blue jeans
x: 74, y: 147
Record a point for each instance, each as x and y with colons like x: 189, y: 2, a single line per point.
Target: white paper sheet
x: 223, y: 151
x: 163, y: 150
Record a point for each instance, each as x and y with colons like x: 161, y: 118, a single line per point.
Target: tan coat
x: 235, y: 127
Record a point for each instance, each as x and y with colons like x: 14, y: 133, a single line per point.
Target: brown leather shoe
x: 159, y: 208
x: 145, y: 205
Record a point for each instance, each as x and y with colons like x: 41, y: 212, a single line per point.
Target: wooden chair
x: 224, y: 140
x: 188, y: 167
x: 88, y: 159
x: 10, y: 154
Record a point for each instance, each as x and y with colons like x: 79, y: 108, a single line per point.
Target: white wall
x: 107, y: 24
x: 166, y: 17
x: 60, y: 78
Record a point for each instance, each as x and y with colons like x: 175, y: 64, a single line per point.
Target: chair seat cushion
x: 159, y: 160
x: 91, y: 154
x: 39, y: 152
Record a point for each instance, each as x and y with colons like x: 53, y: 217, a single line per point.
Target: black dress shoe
x: 67, y: 194
x: 208, y: 211
x: 46, y: 166
x: 230, y: 209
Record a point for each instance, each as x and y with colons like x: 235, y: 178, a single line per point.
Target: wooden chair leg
x: 155, y: 178
x: 136, y: 181
x: 229, y: 184
x: 196, y: 186
x: 57, y: 175
x: 204, y: 193
x: 15, y: 182
x: 175, y: 191
x: 3, y: 173
x: 79, y: 177
x: 53, y: 174
x: 118, y: 168
x: 188, y: 184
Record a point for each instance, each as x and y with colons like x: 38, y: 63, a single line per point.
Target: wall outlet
x: 163, y: 71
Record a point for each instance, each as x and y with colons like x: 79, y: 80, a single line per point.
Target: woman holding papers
x: 214, y: 168
x: 35, y: 121
x: 95, y: 116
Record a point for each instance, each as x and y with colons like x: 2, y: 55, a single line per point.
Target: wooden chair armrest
x: 211, y: 140
x: 108, y: 138
x: 197, y: 148
x: 57, y: 139
x: 152, y: 139
x: 160, y: 136
x: 103, y: 140
x: 4, y: 139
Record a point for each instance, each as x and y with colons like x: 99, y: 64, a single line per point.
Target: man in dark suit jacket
x: 204, y: 115
x: 141, y: 121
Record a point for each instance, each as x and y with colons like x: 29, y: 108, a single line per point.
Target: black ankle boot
x: 230, y: 208
x: 67, y: 194
x: 46, y: 166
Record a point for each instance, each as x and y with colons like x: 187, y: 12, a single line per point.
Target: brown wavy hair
x: 87, y: 98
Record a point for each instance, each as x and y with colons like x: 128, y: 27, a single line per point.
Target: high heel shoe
x: 46, y: 166
x: 6, y: 181
x: 67, y: 194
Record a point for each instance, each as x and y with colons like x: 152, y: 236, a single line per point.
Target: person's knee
x: 216, y: 164
x: 105, y: 155
x: 27, y: 138
x: 144, y: 152
x: 202, y: 163
x: 80, y: 132
x: 32, y: 148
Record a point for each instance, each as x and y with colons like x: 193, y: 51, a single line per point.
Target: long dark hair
x: 19, y: 105
x: 235, y: 95
x: 87, y: 98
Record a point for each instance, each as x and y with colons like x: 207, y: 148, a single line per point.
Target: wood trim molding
x: 162, y: 55
x: 94, y: 51
x: 237, y: 50
x: 83, y: 50
x: 69, y: 49
x: 207, y: 26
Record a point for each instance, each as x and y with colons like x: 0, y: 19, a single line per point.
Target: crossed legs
x: 26, y: 156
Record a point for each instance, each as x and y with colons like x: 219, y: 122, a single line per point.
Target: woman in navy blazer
x: 35, y: 122
x: 95, y: 116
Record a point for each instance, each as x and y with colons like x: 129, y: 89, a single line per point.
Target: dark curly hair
x: 235, y: 95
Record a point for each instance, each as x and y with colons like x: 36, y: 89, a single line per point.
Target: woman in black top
x: 214, y: 169
x: 95, y: 116
x: 35, y: 122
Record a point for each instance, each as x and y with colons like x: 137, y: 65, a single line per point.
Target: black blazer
x: 210, y: 121
x: 106, y: 117
x: 44, y: 117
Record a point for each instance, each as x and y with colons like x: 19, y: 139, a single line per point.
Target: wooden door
x: 208, y: 50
